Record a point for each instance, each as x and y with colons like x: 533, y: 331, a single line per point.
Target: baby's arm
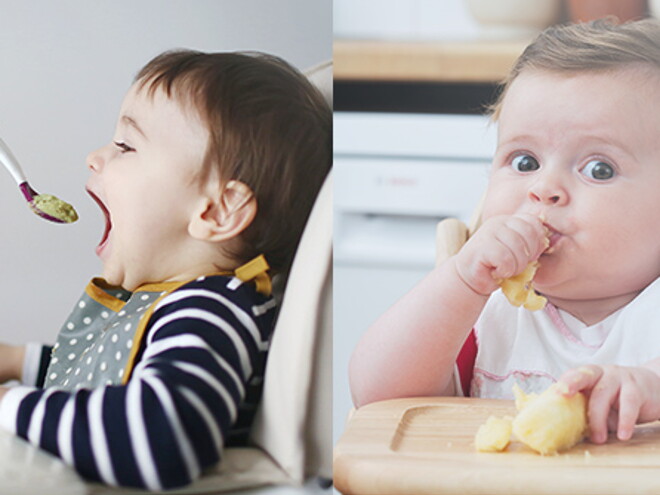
x: 619, y: 396
x: 172, y: 418
x: 411, y: 349
x: 25, y: 363
x: 11, y: 362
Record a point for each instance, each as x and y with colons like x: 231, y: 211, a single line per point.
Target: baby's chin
x: 117, y: 279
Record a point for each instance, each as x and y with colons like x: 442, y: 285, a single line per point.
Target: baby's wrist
x: 465, y: 281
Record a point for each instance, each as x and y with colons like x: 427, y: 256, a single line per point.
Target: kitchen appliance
x: 396, y: 176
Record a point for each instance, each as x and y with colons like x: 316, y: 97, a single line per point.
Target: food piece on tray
x: 550, y: 422
x: 494, y: 435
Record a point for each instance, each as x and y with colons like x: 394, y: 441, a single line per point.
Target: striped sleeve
x: 35, y: 363
x: 205, y: 346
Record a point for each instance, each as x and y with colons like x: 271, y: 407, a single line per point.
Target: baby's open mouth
x: 553, y: 238
x: 106, y: 215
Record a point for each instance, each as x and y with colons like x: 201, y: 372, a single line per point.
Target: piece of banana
x: 519, y: 291
x: 547, y: 423
x: 494, y: 435
x: 550, y: 422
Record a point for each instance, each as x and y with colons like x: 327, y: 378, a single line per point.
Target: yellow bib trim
x: 256, y: 270
x: 142, y: 325
x: 96, y: 289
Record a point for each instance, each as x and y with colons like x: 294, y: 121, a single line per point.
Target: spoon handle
x: 11, y: 164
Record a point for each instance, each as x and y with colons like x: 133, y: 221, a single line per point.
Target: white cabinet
x: 396, y: 176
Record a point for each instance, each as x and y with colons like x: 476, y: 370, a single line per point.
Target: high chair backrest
x: 294, y: 423
x: 451, y: 234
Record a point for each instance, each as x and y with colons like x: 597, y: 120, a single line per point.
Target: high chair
x: 451, y: 234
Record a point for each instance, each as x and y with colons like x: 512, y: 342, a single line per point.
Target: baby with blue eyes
x: 573, y: 186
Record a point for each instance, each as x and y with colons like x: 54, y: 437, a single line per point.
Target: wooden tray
x: 426, y: 446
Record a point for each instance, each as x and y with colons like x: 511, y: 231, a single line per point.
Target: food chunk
x: 519, y: 291
x: 494, y: 435
x: 547, y: 423
x: 550, y: 422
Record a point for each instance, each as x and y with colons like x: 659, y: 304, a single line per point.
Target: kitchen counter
x: 473, y: 61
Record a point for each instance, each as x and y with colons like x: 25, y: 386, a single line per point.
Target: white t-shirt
x: 536, y: 348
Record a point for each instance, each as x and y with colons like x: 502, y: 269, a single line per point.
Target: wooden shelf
x: 441, y: 61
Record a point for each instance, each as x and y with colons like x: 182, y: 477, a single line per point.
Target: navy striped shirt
x: 194, y: 390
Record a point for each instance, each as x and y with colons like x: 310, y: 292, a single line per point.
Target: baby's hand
x: 619, y: 397
x: 501, y: 248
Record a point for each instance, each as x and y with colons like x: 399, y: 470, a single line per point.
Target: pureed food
x: 55, y: 207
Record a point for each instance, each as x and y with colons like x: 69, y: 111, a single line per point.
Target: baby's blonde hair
x: 595, y: 46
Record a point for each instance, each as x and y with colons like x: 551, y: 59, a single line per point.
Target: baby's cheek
x: 496, y: 204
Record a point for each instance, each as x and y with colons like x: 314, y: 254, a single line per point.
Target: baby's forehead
x: 624, y: 84
x: 621, y: 102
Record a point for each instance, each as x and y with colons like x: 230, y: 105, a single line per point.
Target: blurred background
x: 412, y: 144
x: 66, y: 66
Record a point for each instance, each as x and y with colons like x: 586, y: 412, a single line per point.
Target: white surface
x: 396, y: 176
x: 654, y: 7
x: 26, y: 470
x: 65, y: 68
x: 508, y: 19
x: 409, y: 19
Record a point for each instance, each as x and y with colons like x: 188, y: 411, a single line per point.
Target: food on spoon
x: 547, y: 423
x: 494, y: 435
x: 55, y: 207
x: 550, y: 422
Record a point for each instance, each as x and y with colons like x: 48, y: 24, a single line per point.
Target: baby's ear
x: 225, y: 215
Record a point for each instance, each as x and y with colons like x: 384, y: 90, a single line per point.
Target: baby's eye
x: 123, y: 147
x: 525, y: 163
x: 598, y: 170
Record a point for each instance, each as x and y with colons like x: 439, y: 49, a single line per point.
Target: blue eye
x: 525, y: 163
x: 597, y: 170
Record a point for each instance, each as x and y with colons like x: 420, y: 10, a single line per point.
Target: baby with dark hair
x: 206, y: 186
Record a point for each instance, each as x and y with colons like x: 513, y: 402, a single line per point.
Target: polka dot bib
x: 100, y: 340
x: 94, y: 345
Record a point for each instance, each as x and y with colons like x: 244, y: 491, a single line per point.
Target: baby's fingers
x: 533, y: 233
x: 519, y: 241
x: 630, y: 402
x: 601, y: 400
x: 579, y: 379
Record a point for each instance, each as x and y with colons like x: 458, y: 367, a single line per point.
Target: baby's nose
x: 548, y: 194
x: 95, y: 160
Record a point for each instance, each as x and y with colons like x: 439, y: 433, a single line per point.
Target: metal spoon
x: 33, y: 198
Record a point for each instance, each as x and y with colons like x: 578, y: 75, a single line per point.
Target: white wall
x: 64, y: 68
x: 409, y: 19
